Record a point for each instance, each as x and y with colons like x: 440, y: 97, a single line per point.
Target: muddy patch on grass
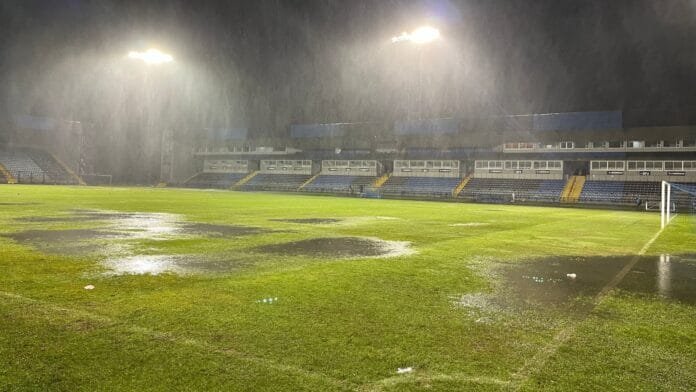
x: 308, y: 221
x: 340, y: 248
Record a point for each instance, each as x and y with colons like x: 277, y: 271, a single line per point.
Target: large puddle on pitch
x: 116, y: 235
x: 571, y: 284
x: 176, y: 264
x: 340, y: 248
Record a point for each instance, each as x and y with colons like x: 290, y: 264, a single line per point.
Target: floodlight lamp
x: 151, y: 56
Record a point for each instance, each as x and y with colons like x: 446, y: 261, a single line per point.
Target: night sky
x: 265, y: 63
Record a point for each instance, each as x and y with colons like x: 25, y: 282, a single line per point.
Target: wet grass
x: 338, y: 323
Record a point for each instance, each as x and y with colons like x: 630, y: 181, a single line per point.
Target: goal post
x: 665, y: 210
x: 676, y: 197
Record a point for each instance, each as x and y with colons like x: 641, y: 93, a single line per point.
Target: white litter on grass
x: 269, y: 300
x: 89, y: 287
x: 572, y: 276
x: 541, y: 279
x: 469, y: 224
x: 404, y: 370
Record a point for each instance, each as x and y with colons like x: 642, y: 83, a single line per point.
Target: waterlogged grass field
x: 215, y: 290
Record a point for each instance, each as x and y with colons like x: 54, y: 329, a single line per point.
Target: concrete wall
x: 518, y: 171
x: 285, y: 166
x: 427, y: 168
x: 369, y: 168
x: 225, y: 166
x: 519, y: 174
x: 657, y: 171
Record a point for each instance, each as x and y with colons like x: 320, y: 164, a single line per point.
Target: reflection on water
x: 570, y: 283
x: 664, y: 275
x: 115, y: 238
x: 142, y: 264
x: 341, y: 247
x: 547, y: 280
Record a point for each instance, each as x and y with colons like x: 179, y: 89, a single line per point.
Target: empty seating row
x: 275, y: 182
x: 339, y: 184
x: 631, y: 192
x: 499, y: 189
x: 420, y: 186
x: 214, y: 180
x: 55, y: 171
x: 22, y: 167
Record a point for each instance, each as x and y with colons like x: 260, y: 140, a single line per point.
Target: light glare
x: 151, y: 56
x: 422, y: 35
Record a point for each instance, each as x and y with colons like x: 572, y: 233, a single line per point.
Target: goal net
x: 676, y: 198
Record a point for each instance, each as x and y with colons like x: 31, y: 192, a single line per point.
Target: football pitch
x: 171, y: 289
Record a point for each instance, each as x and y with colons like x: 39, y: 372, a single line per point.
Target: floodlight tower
x: 153, y: 57
x: 421, y: 36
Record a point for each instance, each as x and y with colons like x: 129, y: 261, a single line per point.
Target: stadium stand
x: 629, y: 192
x: 438, y: 187
x: 214, y: 180
x: 23, y: 168
x: 501, y: 189
x: 275, y: 182
x: 55, y: 171
x: 339, y: 184
x: 3, y: 179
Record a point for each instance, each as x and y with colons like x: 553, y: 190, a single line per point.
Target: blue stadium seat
x: 275, y: 182
x: 420, y: 186
x: 339, y: 184
x: 502, y: 190
x: 214, y: 180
